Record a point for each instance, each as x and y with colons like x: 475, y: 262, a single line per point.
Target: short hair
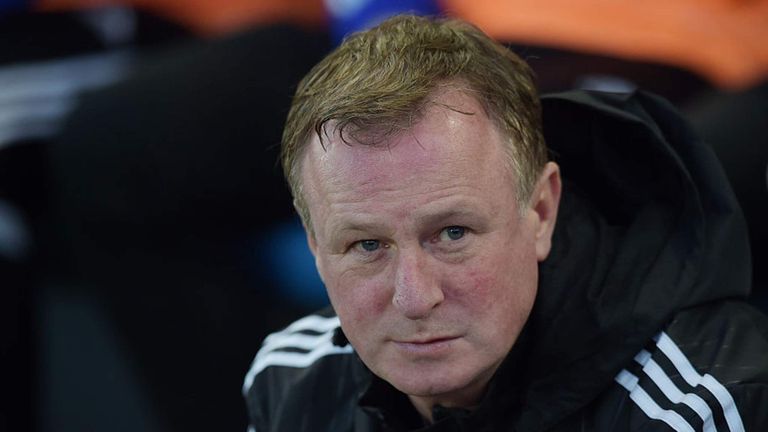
x: 377, y: 81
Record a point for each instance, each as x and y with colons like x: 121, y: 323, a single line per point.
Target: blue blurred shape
x: 347, y: 16
x: 286, y: 258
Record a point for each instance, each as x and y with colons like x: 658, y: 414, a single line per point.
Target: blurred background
x: 147, y: 239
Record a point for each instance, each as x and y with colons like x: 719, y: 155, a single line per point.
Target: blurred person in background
x: 139, y: 176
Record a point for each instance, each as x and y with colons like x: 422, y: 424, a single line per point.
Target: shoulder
x: 298, y: 346
x: 727, y: 340
x: 290, y: 377
x: 708, y: 370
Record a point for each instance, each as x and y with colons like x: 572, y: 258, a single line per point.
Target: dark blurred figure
x: 46, y: 60
x: 130, y: 214
x: 160, y: 181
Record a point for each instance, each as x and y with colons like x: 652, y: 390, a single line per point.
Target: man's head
x: 415, y: 191
x: 377, y: 82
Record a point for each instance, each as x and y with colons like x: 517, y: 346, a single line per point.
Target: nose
x: 417, y: 290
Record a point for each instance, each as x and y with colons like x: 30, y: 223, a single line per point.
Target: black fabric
x: 649, y: 238
x: 648, y: 228
x: 734, y: 125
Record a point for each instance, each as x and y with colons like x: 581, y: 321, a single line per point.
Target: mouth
x: 427, y: 340
x: 429, y: 346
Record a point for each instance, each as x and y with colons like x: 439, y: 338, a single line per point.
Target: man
x: 417, y: 161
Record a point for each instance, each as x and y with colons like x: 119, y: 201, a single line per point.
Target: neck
x: 467, y: 399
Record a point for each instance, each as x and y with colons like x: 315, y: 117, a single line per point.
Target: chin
x: 430, y: 380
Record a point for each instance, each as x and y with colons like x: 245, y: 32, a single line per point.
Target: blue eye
x: 369, y: 245
x: 452, y: 233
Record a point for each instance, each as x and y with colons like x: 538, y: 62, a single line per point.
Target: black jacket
x: 638, y: 322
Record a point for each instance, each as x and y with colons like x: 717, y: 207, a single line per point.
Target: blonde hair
x: 377, y: 81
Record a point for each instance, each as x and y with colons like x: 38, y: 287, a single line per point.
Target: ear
x: 544, y: 204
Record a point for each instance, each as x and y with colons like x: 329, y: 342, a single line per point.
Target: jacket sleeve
x: 255, y: 392
x: 257, y: 421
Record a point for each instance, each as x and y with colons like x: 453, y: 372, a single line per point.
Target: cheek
x: 480, y: 285
x: 501, y: 284
x: 356, y: 300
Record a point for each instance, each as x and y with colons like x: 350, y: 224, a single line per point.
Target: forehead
x: 453, y: 140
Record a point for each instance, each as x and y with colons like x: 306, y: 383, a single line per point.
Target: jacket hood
x: 648, y: 226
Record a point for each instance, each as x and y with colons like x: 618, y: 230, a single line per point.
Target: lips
x: 426, y: 347
x: 427, y: 340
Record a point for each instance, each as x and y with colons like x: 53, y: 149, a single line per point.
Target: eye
x: 452, y: 233
x: 368, y: 245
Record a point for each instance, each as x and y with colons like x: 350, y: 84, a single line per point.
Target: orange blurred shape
x: 725, y: 41
x: 213, y: 17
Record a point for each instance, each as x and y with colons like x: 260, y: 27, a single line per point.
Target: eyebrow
x: 354, y: 226
x: 453, y: 213
x: 429, y: 219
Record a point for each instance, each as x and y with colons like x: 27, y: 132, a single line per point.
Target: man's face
x: 428, y: 260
